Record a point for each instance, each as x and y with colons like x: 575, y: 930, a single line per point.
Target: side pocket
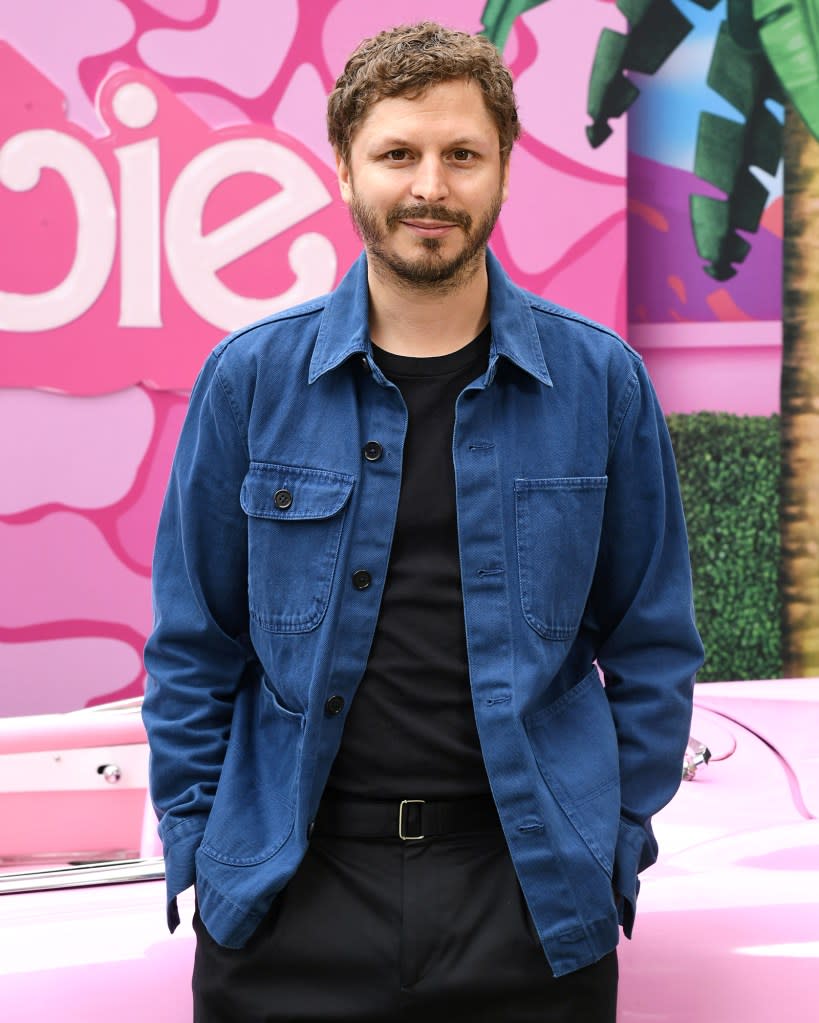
x: 254, y: 807
x: 558, y: 535
x: 575, y: 745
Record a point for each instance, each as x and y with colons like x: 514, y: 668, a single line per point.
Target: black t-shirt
x: 411, y: 732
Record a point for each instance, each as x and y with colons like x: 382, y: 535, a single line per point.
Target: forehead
x: 456, y: 108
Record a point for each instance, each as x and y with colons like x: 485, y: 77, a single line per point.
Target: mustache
x: 428, y: 211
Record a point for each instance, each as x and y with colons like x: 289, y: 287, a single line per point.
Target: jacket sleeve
x: 649, y: 647
x: 198, y: 650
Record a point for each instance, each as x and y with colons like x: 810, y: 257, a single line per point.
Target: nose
x: 429, y: 182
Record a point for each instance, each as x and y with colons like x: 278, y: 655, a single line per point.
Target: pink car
x: 728, y: 921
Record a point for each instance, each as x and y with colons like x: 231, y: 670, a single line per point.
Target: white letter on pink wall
x: 194, y: 258
x: 22, y: 158
x: 135, y: 105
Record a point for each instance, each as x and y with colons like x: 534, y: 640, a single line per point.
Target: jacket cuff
x: 180, y: 845
x: 628, y: 859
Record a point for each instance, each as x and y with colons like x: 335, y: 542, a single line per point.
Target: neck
x: 410, y: 320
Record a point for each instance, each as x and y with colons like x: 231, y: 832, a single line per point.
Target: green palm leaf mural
x: 767, y: 49
x: 727, y: 149
x: 743, y: 24
x: 656, y: 29
x: 498, y: 16
x: 789, y: 33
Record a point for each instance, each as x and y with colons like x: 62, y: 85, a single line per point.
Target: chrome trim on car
x: 84, y: 875
x: 697, y: 755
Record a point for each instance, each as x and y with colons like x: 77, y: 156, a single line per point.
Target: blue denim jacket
x: 573, y: 550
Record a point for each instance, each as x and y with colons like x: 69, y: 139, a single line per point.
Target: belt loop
x: 402, y: 834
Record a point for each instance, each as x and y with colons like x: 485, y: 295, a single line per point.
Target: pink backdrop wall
x: 165, y: 177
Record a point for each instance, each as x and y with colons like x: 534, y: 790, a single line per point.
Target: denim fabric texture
x: 271, y: 556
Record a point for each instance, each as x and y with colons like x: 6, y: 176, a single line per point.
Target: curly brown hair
x: 408, y: 60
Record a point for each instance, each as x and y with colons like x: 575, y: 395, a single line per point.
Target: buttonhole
x: 530, y: 826
x: 490, y: 571
x: 492, y: 700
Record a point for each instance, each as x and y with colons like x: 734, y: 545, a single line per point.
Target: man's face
x: 425, y: 184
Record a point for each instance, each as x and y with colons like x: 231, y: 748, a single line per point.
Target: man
x: 404, y: 522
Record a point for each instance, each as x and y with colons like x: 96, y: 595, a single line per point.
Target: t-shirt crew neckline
x: 433, y: 365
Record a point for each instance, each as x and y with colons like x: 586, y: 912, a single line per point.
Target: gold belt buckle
x: 401, y: 832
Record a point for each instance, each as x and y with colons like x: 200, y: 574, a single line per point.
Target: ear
x: 345, y: 184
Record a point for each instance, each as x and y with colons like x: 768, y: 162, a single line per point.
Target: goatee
x: 431, y: 271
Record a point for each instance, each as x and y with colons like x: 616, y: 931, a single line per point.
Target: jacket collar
x: 343, y: 331
x: 514, y: 334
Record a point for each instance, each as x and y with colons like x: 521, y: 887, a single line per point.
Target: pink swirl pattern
x: 90, y: 409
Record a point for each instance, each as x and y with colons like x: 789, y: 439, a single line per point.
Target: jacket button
x: 334, y: 706
x: 373, y: 451
x: 282, y: 499
x: 311, y: 827
x: 361, y: 579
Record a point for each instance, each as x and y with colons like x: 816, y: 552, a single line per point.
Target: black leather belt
x: 407, y: 819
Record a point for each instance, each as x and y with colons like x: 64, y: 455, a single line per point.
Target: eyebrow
x: 397, y: 142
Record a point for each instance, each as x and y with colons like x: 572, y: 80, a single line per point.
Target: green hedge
x: 729, y: 470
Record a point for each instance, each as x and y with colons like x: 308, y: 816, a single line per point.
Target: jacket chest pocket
x: 295, y: 517
x: 558, y: 525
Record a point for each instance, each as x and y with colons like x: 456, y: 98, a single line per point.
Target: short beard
x: 431, y: 272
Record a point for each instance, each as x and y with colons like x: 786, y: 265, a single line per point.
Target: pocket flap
x: 287, y: 492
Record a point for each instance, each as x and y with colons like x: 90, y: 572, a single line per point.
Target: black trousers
x: 381, y: 930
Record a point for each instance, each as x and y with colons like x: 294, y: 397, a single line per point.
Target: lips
x: 429, y: 228
x: 428, y: 221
